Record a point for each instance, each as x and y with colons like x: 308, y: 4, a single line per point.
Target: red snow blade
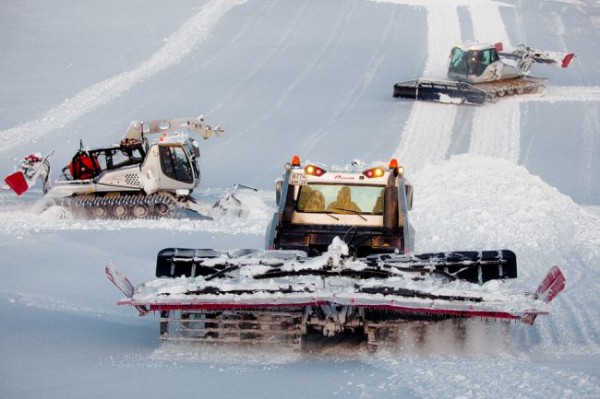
x: 17, y: 182
x: 567, y: 60
x: 552, y: 285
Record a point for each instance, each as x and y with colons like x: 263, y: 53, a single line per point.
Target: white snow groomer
x: 150, y: 173
x: 338, y: 262
x: 483, y: 72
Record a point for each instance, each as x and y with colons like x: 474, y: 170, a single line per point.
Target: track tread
x: 158, y: 205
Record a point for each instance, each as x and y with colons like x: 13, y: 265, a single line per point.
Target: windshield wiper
x: 330, y: 215
x: 351, y: 211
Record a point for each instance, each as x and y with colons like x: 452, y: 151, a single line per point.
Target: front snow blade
x: 17, y: 182
x: 231, y: 204
x: 440, y: 91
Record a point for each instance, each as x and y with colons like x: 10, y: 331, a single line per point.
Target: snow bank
x: 473, y: 201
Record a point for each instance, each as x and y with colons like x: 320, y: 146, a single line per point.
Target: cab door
x: 175, y: 163
x: 167, y: 167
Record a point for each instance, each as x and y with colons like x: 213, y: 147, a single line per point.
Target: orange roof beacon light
x: 397, y: 169
x: 295, y: 160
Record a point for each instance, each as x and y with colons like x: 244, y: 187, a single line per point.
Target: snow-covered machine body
x: 483, y: 72
x: 365, y: 282
x: 366, y: 206
x: 151, y: 172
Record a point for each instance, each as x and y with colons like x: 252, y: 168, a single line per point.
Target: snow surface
x: 313, y: 78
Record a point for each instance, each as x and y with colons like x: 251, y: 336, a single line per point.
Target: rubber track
x: 509, y: 87
x: 157, y: 205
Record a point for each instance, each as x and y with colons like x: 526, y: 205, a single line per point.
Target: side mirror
x: 278, y: 186
x: 409, y: 196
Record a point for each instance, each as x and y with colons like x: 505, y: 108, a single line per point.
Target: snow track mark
x: 507, y: 207
x: 500, y: 140
x: 488, y: 26
x: 427, y: 132
x: 503, y: 140
x: 358, y: 89
x: 492, y: 139
x: 317, y: 59
x: 178, y: 45
x: 456, y: 377
x: 259, y: 66
x: 427, y: 135
x: 568, y: 93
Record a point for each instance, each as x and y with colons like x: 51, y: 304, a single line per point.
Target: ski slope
x: 311, y: 78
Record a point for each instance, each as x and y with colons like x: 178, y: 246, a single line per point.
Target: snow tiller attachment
x: 310, y: 282
x: 445, y: 91
x: 479, y: 73
x: 282, y: 296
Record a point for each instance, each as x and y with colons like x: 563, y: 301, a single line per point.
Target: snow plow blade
x: 444, y: 91
x: 33, y: 167
x: 232, y: 202
x: 17, y: 182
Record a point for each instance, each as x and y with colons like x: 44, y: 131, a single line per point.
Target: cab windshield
x: 348, y: 199
x: 458, y: 62
x: 471, y: 62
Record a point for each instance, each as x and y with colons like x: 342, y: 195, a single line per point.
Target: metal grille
x: 132, y: 180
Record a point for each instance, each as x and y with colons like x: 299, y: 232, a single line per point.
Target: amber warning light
x: 314, y: 170
x: 375, y: 172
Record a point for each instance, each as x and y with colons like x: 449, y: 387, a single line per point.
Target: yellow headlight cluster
x: 374, y: 172
x: 314, y: 170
